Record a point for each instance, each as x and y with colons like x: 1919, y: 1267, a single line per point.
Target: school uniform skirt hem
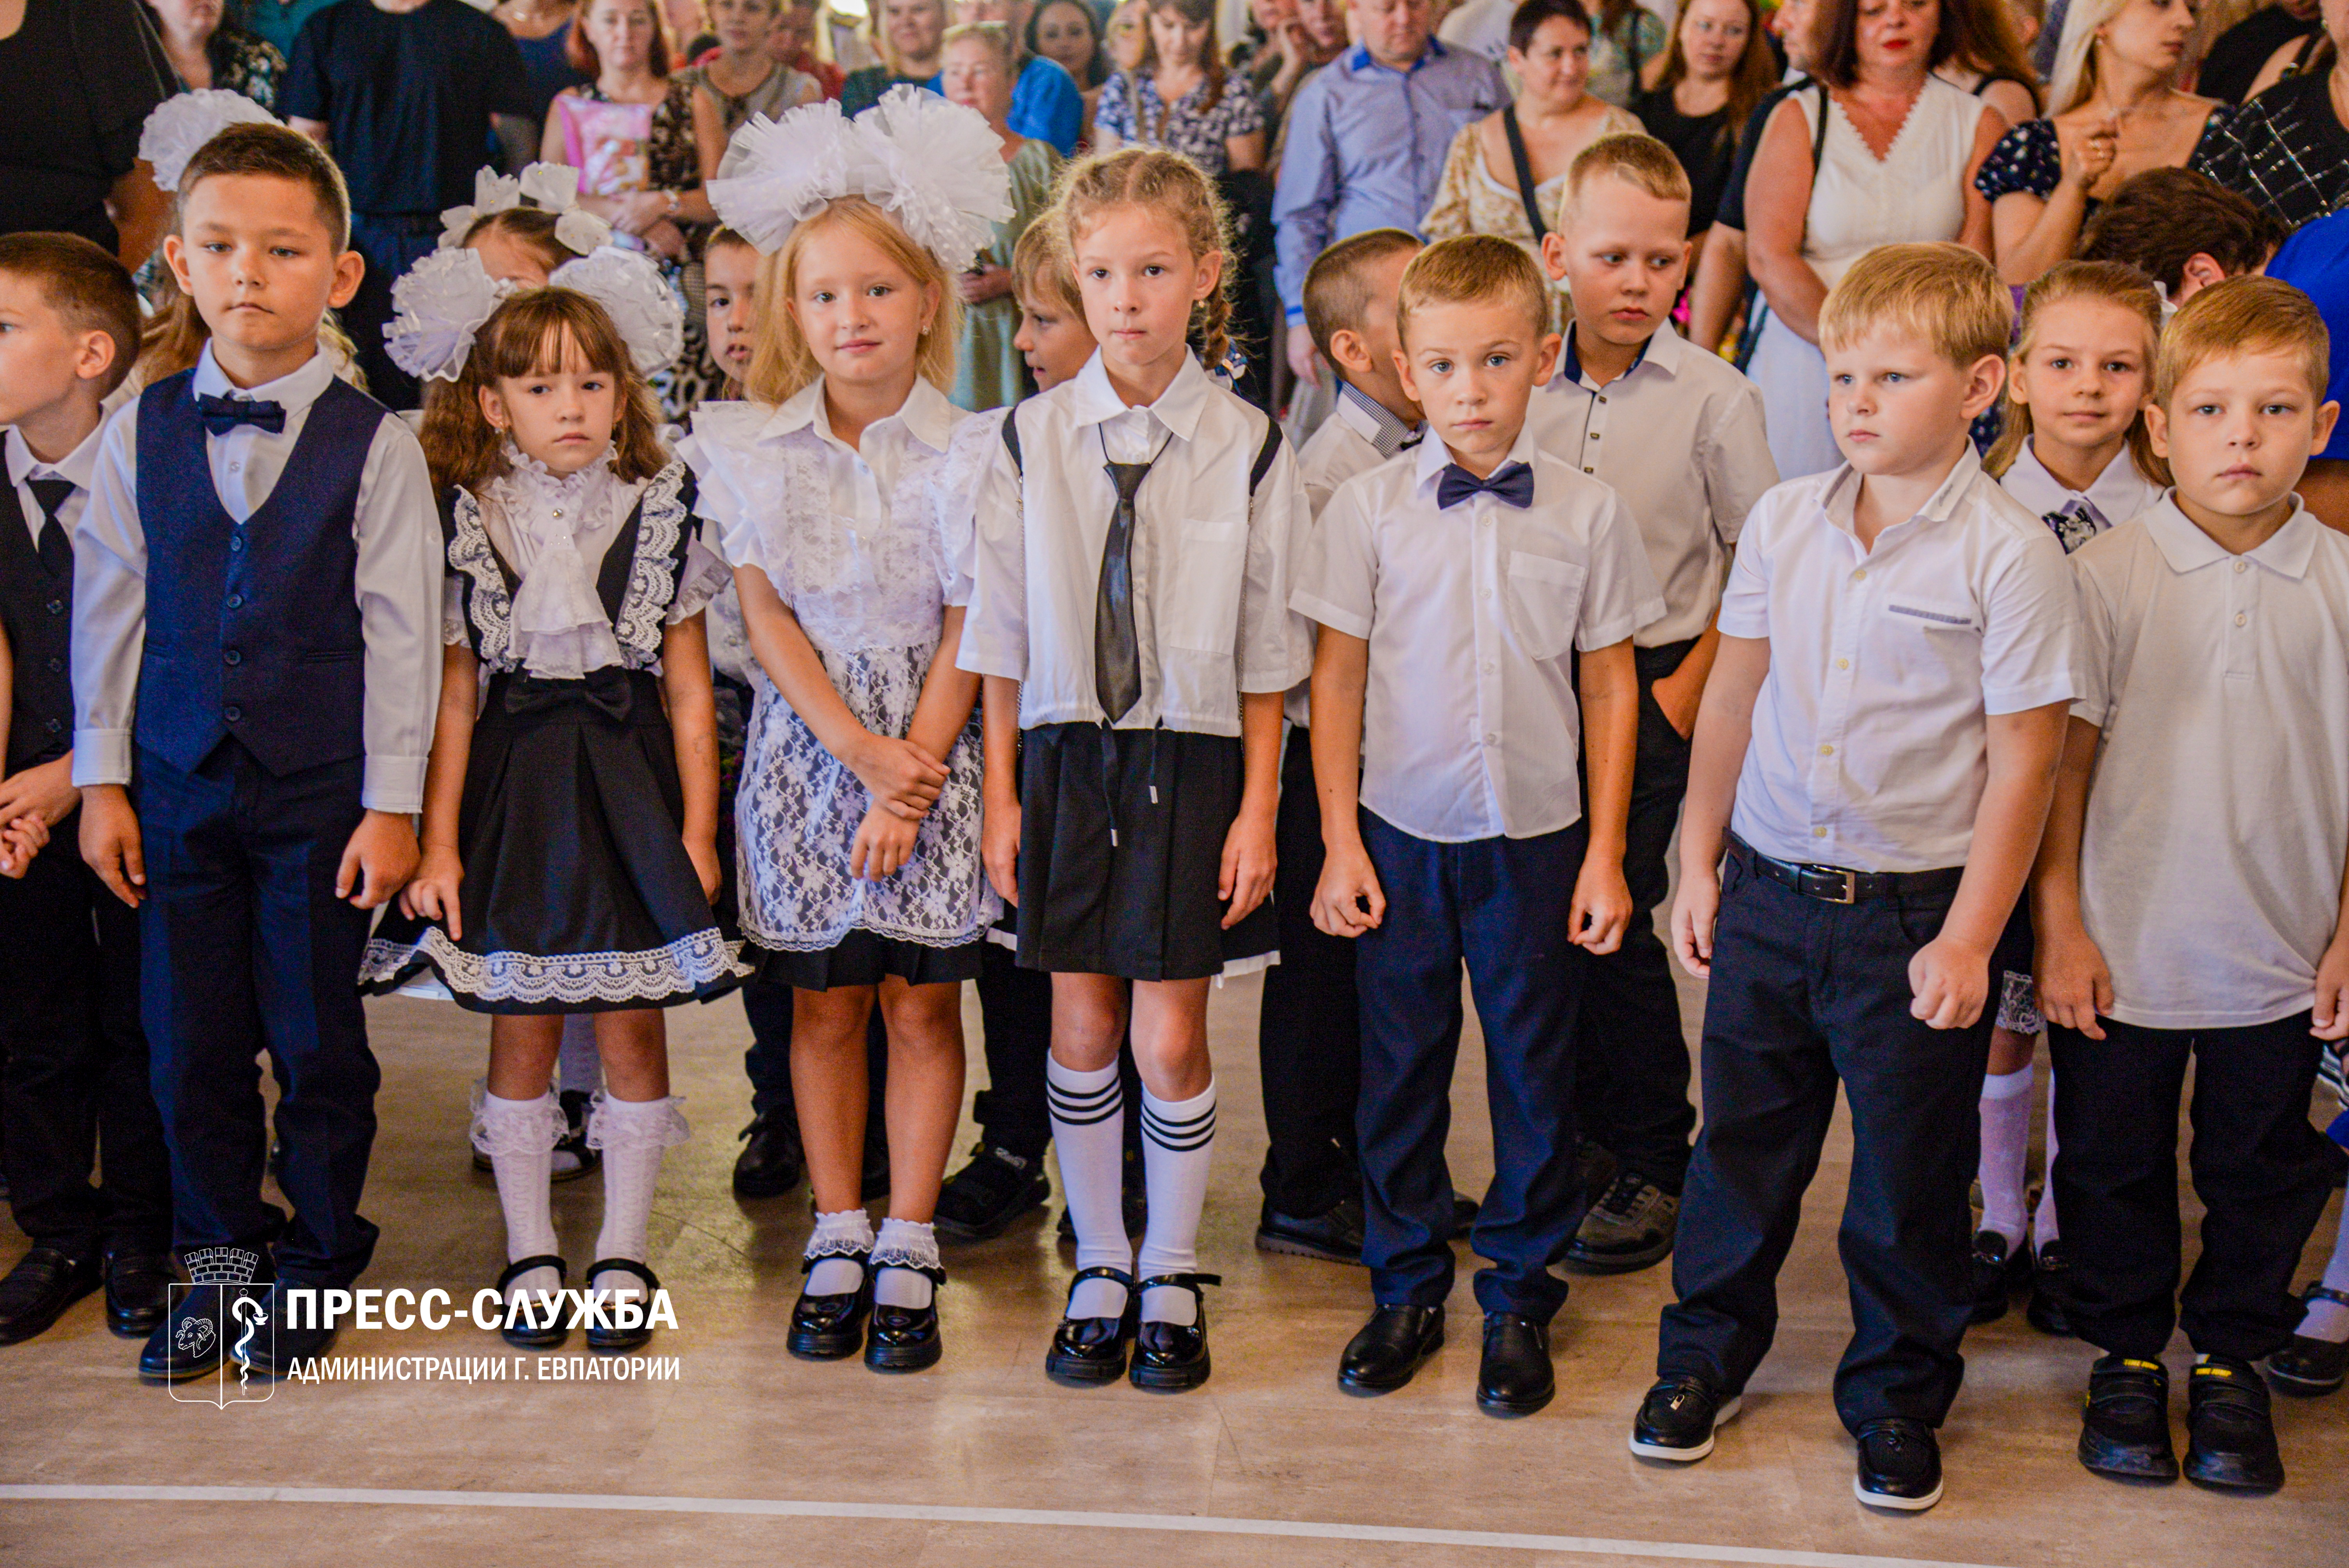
x: 865, y: 958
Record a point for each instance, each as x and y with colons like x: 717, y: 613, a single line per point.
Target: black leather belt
x: 1834, y: 884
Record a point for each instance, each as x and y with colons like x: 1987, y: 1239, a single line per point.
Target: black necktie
x: 56, y: 550
x: 1117, y: 652
x: 1512, y: 483
x: 222, y: 415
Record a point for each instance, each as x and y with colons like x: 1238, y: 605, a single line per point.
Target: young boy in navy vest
x: 256, y: 665
x: 75, y: 1059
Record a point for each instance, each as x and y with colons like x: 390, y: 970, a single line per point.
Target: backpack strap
x: 1524, y: 168
x: 1011, y: 437
x: 1264, y: 454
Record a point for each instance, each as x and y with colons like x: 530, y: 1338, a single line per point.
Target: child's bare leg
x: 925, y: 1101
x: 829, y: 1081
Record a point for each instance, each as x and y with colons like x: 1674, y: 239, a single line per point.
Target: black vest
x: 36, y: 611
x: 253, y: 628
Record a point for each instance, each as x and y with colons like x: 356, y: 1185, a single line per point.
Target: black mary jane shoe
x: 1170, y: 1358
x: 608, y: 1336
x: 1997, y: 1269
x: 905, y: 1338
x: 831, y: 1327
x: 2309, y: 1366
x: 2048, y: 1310
x: 1090, y: 1351
x: 519, y: 1326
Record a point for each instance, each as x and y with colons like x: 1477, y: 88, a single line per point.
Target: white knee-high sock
x: 1178, y: 1141
x: 579, y: 1066
x: 633, y: 1134
x: 2043, y: 1226
x: 841, y: 1240
x: 2329, y: 1320
x: 900, y: 1252
x: 1088, y: 1138
x: 2006, y: 1146
x: 518, y: 1135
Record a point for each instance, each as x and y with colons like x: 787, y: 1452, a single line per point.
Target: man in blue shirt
x: 1047, y: 105
x: 1367, y: 138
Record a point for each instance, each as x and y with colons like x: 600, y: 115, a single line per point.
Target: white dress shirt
x: 78, y: 467
x: 1359, y: 434
x: 1470, y: 726
x: 2218, y: 820
x: 2118, y: 494
x: 1869, y: 748
x: 1211, y: 562
x: 396, y: 526
x: 1679, y: 437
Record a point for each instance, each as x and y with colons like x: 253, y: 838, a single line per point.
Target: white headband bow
x: 550, y: 186
x: 933, y: 166
x: 182, y: 124
x: 443, y: 301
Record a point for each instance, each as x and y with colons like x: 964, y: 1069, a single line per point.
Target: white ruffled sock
x: 519, y: 1135
x: 2006, y: 1146
x: 835, y: 1273
x: 2329, y: 1320
x: 1088, y: 1138
x: 1178, y: 1143
x: 633, y: 1134
x: 904, y: 1248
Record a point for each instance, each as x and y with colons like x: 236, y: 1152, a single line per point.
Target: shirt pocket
x: 1545, y: 603
x: 1930, y: 637
x: 1199, y: 604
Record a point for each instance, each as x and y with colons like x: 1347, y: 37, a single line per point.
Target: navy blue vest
x: 36, y: 611
x: 253, y: 628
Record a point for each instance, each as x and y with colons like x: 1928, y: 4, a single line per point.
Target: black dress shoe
x: 1390, y: 1348
x: 268, y: 1347
x: 188, y: 1343
x: 1515, y: 1378
x: 1678, y: 1418
x: 830, y: 1327
x: 1170, y: 1358
x: 1629, y: 1228
x: 1899, y: 1465
x: 138, y: 1292
x: 524, y: 1326
x: 2309, y: 1366
x: 1334, y: 1237
x: 771, y: 1161
x: 1997, y: 1269
x: 2230, y: 1436
x: 611, y: 1336
x: 907, y: 1338
x: 2047, y: 1310
x: 45, y: 1282
x: 1464, y: 1210
x: 979, y: 1201
x: 2125, y: 1427
x: 1089, y: 1351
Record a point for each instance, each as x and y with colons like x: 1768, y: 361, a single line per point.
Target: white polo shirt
x: 2118, y: 494
x: 1869, y: 749
x: 1470, y: 727
x: 2218, y: 822
x: 1359, y: 434
x: 1211, y: 564
x: 1679, y: 437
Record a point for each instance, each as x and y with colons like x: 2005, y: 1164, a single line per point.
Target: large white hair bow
x: 933, y: 166
x: 550, y: 186
x: 628, y: 284
x: 439, y: 306
x: 181, y: 126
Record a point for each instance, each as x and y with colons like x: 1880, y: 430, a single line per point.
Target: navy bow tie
x: 222, y: 415
x: 1512, y: 483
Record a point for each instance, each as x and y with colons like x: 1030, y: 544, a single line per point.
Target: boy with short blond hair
x: 1677, y: 432
x: 1871, y: 773
x: 1453, y: 585
x: 2213, y: 713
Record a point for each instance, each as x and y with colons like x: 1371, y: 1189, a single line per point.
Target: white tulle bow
x: 628, y: 284
x: 439, y: 306
x: 549, y: 187
x: 182, y: 124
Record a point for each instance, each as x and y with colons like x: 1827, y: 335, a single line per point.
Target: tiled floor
x: 1270, y: 1438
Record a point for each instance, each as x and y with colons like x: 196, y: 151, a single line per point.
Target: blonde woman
x: 908, y: 35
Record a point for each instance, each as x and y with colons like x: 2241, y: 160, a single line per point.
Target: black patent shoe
x: 2231, y: 1435
x: 273, y: 1348
x: 526, y: 1326
x: 1515, y: 1378
x: 2125, y: 1427
x: 1169, y: 1357
x: 905, y: 1338
x: 37, y: 1292
x: 1390, y: 1349
x: 610, y: 1335
x: 771, y: 1162
x: 831, y: 1327
x: 2309, y: 1366
x: 1335, y: 1237
x: 138, y: 1292
x: 1088, y: 1351
x: 981, y: 1200
x: 1678, y: 1418
x: 189, y: 1344
x: 1997, y: 1270
x: 2048, y: 1310
x: 1899, y: 1465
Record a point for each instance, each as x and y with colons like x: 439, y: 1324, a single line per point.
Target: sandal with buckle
x: 2309, y: 1366
x: 1088, y: 1351
x: 1169, y: 1357
x: 536, y: 1335
x: 831, y: 1327
x: 905, y: 1338
x: 609, y: 1337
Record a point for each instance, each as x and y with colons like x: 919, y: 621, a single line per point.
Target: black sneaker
x: 1594, y: 1168
x: 2125, y: 1427
x: 2230, y: 1436
x: 1899, y: 1465
x: 1677, y: 1420
x: 2308, y: 1366
x: 982, y: 1199
x: 771, y: 1160
x: 2048, y: 1310
x: 1997, y: 1270
x: 1335, y: 1237
x: 1629, y: 1228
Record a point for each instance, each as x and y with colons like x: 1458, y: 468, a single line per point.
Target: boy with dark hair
x: 2183, y: 229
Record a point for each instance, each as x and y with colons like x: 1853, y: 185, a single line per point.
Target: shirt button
x: 2238, y: 565
x: 1860, y: 575
x: 1818, y: 832
x: 1843, y: 664
x: 236, y: 541
x: 2239, y: 617
x: 1589, y: 469
x: 232, y: 656
x: 1491, y: 739
x: 236, y: 601
x: 236, y: 468
x: 1490, y: 665
x: 232, y: 713
x: 1826, y: 751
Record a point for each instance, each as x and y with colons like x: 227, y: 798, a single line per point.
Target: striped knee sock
x: 1178, y: 1139
x: 1088, y: 1138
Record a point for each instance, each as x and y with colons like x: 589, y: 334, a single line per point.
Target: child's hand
x: 998, y: 847
x: 2332, y: 1019
x: 2072, y: 982
x: 1349, y: 883
x: 1951, y: 982
x: 1245, y: 880
x: 1677, y: 696
x: 46, y: 791
x: 20, y: 841
x: 885, y: 841
x: 1601, y: 911
x: 1695, y: 909
x: 110, y: 844
x: 703, y: 853
x: 432, y: 894
x: 900, y: 775
x: 379, y: 858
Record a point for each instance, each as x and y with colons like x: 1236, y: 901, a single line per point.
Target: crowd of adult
x: 1811, y: 129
